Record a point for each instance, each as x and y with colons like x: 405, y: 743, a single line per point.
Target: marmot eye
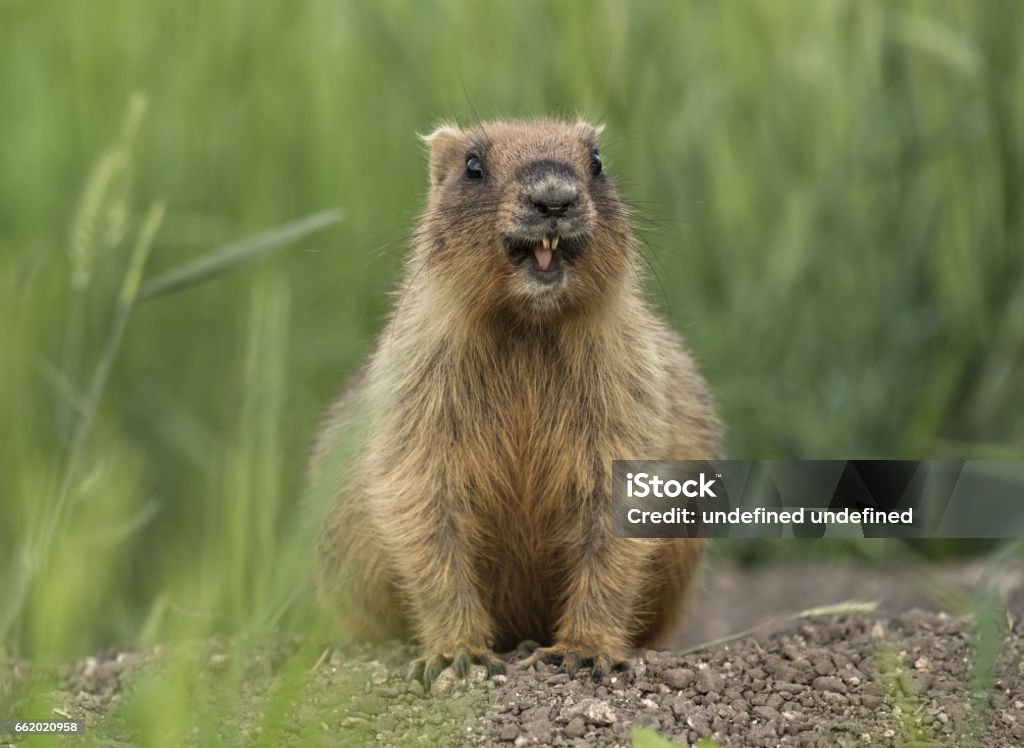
x: 595, y: 163
x: 474, y: 169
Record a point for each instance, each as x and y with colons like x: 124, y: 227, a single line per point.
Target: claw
x: 536, y: 656
x: 434, y: 667
x: 461, y: 664
x: 602, y: 667
x: 571, y: 660
x: 427, y: 669
x: 494, y: 666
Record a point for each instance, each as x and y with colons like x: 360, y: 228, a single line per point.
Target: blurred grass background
x: 831, y: 194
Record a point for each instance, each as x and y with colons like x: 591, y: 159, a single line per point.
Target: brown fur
x: 473, y: 512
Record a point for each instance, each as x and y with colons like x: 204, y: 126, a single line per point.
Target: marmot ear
x: 441, y: 143
x: 593, y: 128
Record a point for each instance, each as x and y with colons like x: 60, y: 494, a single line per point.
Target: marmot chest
x: 537, y: 437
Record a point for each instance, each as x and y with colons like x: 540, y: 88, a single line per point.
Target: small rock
x: 527, y: 647
x: 594, y: 712
x: 576, y: 728
x: 648, y: 719
x: 680, y: 678
x: 791, y: 688
x: 699, y: 723
x: 680, y: 705
x: 708, y: 681
x: 542, y: 711
x: 445, y: 682
x: 540, y: 730
x: 829, y: 683
x: 823, y: 665
x: 765, y: 712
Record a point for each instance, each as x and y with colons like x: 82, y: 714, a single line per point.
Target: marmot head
x: 522, y: 217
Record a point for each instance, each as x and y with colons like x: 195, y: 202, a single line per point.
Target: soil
x: 892, y: 677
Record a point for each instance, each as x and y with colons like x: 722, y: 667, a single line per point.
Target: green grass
x: 831, y: 195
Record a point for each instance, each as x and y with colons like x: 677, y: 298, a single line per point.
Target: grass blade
x: 30, y: 557
x: 61, y: 383
x: 223, y: 259
x: 853, y: 606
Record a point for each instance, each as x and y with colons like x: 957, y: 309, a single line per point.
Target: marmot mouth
x: 547, y: 256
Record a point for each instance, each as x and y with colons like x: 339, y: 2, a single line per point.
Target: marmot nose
x: 553, y: 200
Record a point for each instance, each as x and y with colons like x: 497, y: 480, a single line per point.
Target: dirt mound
x: 893, y: 678
x: 850, y: 680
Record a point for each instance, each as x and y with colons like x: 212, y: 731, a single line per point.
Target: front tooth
x: 554, y: 243
x: 547, y: 242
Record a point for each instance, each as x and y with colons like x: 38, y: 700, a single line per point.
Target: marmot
x: 467, y: 467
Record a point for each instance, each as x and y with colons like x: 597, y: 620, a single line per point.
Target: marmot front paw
x: 571, y: 658
x: 426, y: 669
